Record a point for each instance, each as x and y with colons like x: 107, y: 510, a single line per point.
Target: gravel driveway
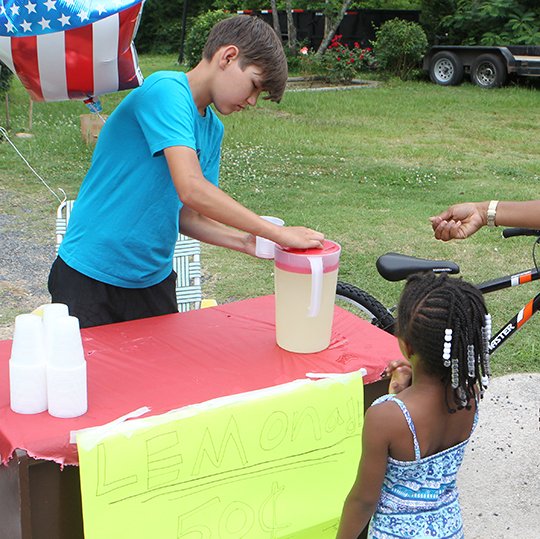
x: 26, y: 255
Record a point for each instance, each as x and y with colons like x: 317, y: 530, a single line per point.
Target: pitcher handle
x: 316, y: 264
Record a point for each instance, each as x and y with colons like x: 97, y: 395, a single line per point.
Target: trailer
x: 487, y: 66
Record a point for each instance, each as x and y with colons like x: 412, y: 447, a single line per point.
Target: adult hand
x: 400, y: 373
x: 459, y: 221
x: 299, y: 237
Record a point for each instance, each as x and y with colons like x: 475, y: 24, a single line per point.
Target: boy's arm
x: 363, y: 498
x: 208, y: 200
x: 204, y: 229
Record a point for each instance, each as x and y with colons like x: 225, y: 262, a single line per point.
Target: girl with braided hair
x: 413, y: 443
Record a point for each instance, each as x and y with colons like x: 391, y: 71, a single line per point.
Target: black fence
x: 357, y: 26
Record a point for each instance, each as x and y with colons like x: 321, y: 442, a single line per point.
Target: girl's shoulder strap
x: 383, y: 398
x: 408, y: 418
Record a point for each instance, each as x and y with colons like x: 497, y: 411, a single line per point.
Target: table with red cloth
x: 175, y: 360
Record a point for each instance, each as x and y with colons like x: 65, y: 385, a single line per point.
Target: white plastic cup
x: 28, y: 345
x: 28, y: 387
x: 64, y: 342
x: 54, y: 310
x: 264, y: 248
x: 27, y: 371
x: 67, y: 390
x: 51, y: 313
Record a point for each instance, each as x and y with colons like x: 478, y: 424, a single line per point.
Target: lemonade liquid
x: 295, y: 331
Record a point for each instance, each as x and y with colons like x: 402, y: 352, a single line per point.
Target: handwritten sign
x: 270, y: 464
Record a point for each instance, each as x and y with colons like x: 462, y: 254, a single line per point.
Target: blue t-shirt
x: 124, y: 223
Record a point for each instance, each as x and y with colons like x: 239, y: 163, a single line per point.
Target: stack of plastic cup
x: 66, y: 368
x: 27, y: 366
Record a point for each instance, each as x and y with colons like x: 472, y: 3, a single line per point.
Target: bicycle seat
x: 396, y: 267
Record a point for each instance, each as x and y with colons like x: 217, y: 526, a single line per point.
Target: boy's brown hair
x: 258, y: 45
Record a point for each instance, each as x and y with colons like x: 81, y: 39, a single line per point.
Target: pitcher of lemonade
x: 305, y: 286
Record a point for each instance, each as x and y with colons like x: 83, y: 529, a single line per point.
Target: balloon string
x: 4, y: 133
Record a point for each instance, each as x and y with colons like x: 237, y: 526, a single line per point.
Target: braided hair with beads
x: 446, y: 323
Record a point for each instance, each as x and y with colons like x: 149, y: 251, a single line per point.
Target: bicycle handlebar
x: 511, y: 232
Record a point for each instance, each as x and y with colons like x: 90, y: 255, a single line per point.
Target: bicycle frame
x: 524, y: 315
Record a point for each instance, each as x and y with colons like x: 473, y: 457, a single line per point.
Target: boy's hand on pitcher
x: 300, y: 237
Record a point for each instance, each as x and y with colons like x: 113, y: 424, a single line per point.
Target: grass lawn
x: 367, y: 167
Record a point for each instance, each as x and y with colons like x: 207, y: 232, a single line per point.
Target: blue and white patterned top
x: 419, y: 498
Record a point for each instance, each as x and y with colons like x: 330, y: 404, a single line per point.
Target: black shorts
x: 95, y: 303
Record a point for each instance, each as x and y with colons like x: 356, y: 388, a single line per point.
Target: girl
x: 413, y: 445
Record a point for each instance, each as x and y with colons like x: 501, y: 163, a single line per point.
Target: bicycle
x: 397, y: 267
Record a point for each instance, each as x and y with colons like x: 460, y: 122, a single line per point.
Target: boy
x: 157, y: 157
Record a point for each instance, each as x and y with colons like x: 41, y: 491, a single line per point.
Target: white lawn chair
x: 186, y: 262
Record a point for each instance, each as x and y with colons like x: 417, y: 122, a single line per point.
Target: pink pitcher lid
x: 329, y: 247
x: 300, y: 260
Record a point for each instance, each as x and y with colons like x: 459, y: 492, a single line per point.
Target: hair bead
x: 455, y: 373
x: 471, y: 366
x: 447, y: 347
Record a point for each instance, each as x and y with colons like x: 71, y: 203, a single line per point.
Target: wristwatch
x: 492, y: 212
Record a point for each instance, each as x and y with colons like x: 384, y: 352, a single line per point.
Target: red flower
x: 356, y: 45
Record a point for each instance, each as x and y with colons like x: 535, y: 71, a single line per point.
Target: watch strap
x: 492, y: 212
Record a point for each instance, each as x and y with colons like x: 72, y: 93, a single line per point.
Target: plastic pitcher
x: 305, y: 286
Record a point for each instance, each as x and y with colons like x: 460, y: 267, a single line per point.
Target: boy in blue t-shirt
x: 157, y: 158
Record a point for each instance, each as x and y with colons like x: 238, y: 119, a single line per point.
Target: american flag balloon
x: 71, y: 49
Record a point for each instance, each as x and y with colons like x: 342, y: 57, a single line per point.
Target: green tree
x: 432, y: 13
x: 160, y: 28
x: 5, y: 82
x: 494, y: 22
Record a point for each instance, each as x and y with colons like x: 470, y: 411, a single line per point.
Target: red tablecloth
x: 171, y: 361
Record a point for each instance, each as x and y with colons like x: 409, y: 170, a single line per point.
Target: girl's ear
x: 406, y: 348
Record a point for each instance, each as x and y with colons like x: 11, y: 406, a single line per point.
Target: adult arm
x: 463, y: 220
x: 363, y: 498
x: 208, y: 200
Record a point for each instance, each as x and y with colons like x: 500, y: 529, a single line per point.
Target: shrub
x: 339, y: 63
x: 197, y: 35
x: 342, y: 64
x: 399, y: 46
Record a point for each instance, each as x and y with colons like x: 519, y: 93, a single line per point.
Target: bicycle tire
x: 365, y: 306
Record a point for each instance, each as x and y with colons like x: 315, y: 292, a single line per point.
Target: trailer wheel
x: 446, y: 68
x: 488, y: 71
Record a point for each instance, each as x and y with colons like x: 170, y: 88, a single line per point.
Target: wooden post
x: 30, y: 114
x: 91, y: 125
x: 8, y: 117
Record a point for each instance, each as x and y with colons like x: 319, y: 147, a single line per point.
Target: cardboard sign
x: 274, y: 463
